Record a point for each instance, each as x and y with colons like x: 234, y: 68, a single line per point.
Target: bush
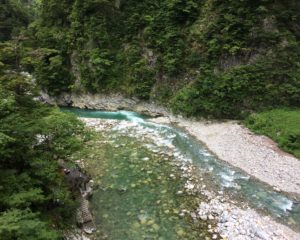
x: 282, y: 125
x: 25, y: 225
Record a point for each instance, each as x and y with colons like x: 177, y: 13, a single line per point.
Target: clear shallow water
x: 136, y: 198
x: 233, y: 182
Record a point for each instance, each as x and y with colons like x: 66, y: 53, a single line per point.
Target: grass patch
x: 282, y: 125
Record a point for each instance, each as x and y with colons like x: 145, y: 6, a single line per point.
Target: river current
x: 219, y: 176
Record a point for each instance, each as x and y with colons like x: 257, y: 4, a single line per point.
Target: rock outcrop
x: 82, y: 186
x: 107, y: 102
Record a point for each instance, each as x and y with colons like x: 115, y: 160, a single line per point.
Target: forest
x: 231, y: 59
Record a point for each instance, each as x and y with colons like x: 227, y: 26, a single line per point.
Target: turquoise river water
x: 234, y: 183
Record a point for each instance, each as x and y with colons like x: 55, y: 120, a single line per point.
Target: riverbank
x: 257, y: 155
x: 233, y: 143
x: 106, y: 102
x: 225, y: 217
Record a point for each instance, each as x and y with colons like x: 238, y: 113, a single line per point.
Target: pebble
x: 233, y: 222
x: 181, y: 214
x: 277, y: 189
x: 236, y: 223
x: 262, y: 235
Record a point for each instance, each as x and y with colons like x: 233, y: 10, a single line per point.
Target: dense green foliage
x: 34, y: 196
x: 33, y: 191
x: 250, y: 51
x: 281, y: 125
x: 202, y: 58
x: 14, y: 15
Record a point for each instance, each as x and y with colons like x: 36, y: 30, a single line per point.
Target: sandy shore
x: 257, y: 155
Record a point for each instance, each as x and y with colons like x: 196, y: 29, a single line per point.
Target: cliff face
x: 199, y: 57
x: 107, y: 102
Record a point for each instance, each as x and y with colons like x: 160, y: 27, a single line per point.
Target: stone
x: 261, y: 234
x: 224, y: 218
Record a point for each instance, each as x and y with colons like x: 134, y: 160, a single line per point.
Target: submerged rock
x: 232, y: 222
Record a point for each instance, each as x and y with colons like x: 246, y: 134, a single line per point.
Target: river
x: 142, y: 179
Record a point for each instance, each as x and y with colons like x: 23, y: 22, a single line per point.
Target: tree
x: 34, y: 194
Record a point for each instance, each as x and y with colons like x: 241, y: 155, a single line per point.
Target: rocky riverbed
x: 141, y: 178
x: 227, y: 219
x: 242, y: 223
x: 257, y: 155
x: 231, y: 142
